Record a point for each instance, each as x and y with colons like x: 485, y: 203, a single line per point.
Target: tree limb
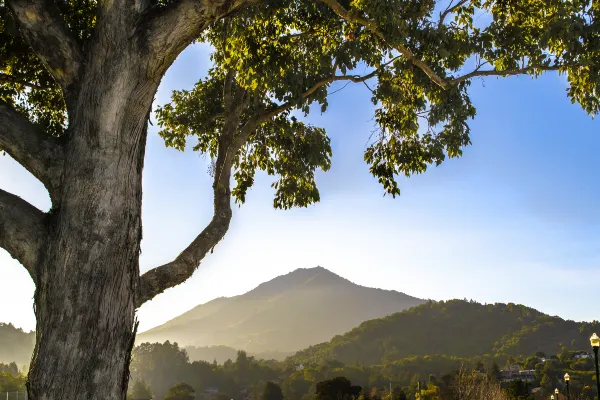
x: 39, y: 153
x: 495, y: 72
x: 169, y: 30
x: 405, y: 51
x: 450, y: 9
x: 50, y: 39
x: 159, y: 279
x: 22, y: 230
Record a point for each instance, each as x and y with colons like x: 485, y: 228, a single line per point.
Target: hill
x: 15, y: 344
x: 286, y: 314
x: 453, y: 328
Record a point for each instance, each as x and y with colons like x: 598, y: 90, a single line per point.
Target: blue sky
x: 517, y: 218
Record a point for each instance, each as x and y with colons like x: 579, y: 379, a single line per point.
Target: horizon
x: 425, y: 300
x: 514, y: 220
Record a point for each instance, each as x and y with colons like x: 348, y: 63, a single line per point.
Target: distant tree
x: 181, y: 391
x: 338, y: 388
x: 272, y: 391
x: 494, y: 372
x: 139, y: 391
x: 160, y: 364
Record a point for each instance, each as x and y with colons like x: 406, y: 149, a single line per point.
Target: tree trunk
x: 88, y: 277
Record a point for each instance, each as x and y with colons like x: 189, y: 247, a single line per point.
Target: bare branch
x: 22, y: 230
x: 39, y: 153
x: 450, y: 9
x: 169, y: 30
x: 495, y: 72
x: 336, y: 78
x: 47, y: 34
x: 371, y: 26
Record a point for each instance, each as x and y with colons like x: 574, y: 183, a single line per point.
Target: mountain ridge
x: 455, y: 328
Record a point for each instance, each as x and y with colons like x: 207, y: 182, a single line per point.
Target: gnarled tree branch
x: 169, y: 30
x: 39, y: 153
x: 50, y: 39
x: 159, y: 279
x: 22, y: 230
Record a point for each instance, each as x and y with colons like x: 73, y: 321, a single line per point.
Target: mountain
x: 286, y: 314
x: 453, y: 328
x: 15, y: 344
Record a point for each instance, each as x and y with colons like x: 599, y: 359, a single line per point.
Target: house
x: 581, y: 354
x: 514, y: 372
x: 300, y: 367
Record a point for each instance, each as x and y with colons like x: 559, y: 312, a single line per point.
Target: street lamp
x: 567, y: 378
x: 552, y: 397
x: 556, y: 393
x: 595, y: 341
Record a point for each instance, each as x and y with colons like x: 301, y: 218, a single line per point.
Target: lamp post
x: 552, y: 397
x: 595, y: 341
x: 556, y: 393
x: 567, y: 378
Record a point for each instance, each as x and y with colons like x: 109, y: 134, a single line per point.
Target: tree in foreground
x: 77, y: 82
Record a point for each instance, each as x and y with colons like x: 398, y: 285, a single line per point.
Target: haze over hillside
x: 288, y: 313
x: 453, y: 328
x: 15, y: 344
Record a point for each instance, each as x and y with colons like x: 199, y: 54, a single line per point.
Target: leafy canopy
x: 422, y: 56
x: 285, y: 55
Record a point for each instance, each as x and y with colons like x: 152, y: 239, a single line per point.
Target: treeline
x: 454, y: 328
x: 160, y: 366
x: 224, y: 353
x: 11, y: 379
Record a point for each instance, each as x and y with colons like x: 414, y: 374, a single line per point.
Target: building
x: 514, y: 372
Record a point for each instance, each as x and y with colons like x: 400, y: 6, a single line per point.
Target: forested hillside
x: 454, y: 328
x: 15, y: 345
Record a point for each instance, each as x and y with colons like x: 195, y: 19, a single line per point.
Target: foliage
x: 338, y: 388
x: 287, y: 55
x: 139, y: 390
x: 11, y: 383
x: 181, y: 391
x: 272, y: 391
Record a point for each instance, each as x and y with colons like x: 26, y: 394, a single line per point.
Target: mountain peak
x: 301, y: 276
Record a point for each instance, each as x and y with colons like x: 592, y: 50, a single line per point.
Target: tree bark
x: 87, y: 280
